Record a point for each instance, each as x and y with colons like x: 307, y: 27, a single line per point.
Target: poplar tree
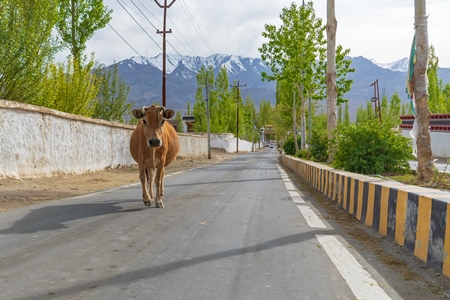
x: 26, y: 47
x: 295, y: 53
x: 111, y: 102
x: 78, y: 21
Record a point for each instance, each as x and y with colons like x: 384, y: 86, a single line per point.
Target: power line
x: 196, y: 27
x: 144, y: 15
x: 174, y: 35
x: 126, y: 42
x: 148, y: 20
x: 139, y: 24
x: 187, y: 43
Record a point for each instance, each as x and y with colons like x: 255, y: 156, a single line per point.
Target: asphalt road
x: 241, y: 229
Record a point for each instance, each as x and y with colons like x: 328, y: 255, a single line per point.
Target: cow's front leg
x: 159, y: 181
x: 143, y: 177
x: 150, y: 179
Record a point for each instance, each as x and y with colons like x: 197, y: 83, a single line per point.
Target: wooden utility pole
x: 208, y: 126
x: 238, y: 98
x: 164, y: 31
x: 423, y: 140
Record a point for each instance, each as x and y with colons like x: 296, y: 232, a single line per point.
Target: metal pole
x: 207, y: 118
x: 237, y: 114
x: 164, y: 31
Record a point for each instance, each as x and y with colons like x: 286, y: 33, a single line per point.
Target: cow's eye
x: 162, y: 122
x: 144, y: 121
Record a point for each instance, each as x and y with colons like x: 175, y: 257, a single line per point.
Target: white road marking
x: 289, y: 186
x: 311, y: 218
x: 296, y: 197
x: 359, y: 280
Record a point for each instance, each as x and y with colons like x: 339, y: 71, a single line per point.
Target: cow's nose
x: 155, y: 142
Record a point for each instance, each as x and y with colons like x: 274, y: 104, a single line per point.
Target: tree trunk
x: 331, y: 71
x: 294, y: 123
x: 423, y: 141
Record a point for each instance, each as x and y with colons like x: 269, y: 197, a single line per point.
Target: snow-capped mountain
x: 396, y: 66
x: 144, y: 76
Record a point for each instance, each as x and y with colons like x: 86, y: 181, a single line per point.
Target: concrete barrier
x: 41, y: 142
x: 416, y: 218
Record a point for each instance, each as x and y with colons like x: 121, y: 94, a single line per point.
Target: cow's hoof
x: 148, y: 203
x: 159, y: 205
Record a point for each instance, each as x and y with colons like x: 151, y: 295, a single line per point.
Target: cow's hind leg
x: 143, y: 177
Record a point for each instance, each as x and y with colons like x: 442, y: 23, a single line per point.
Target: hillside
x: 144, y: 77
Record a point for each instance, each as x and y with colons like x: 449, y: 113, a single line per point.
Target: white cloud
x: 381, y: 30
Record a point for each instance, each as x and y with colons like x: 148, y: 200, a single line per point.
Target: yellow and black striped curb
x: 416, y: 218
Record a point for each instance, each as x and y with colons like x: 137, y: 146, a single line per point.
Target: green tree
x: 70, y: 88
x: 295, y: 53
x: 111, y: 102
x: 204, y: 76
x: 78, y: 21
x: 225, y: 111
x: 436, y: 99
x: 180, y: 120
x: 340, y: 114
x: 346, y: 114
x: 384, y: 109
x: 394, y: 109
x: 26, y: 48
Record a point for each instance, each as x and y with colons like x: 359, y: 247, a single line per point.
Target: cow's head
x: 153, y: 119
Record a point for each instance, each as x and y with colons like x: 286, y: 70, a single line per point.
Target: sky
x: 380, y: 30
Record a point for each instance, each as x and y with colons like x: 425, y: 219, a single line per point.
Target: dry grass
x: 441, y: 180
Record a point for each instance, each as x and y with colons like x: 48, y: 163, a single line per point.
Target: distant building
x: 190, y: 122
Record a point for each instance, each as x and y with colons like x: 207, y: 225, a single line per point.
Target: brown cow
x: 154, y: 145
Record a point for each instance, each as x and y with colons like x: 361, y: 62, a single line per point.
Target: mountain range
x: 144, y: 76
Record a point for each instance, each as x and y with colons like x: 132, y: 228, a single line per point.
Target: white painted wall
x: 227, y: 142
x: 37, y: 142
x: 440, y: 143
x: 41, y: 142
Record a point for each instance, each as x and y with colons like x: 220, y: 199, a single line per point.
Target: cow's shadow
x: 55, y: 217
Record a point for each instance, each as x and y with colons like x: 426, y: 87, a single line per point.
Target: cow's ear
x: 168, y: 113
x: 137, y: 112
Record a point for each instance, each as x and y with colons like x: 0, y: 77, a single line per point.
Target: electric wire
x: 127, y: 43
x: 196, y: 27
x: 148, y: 20
x: 139, y: 25
x: 178, y: 31
x: 175, y: 35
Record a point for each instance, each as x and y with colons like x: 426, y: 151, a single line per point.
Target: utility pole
x: 376, y: 99
x: 238, y: 98
x: 164, y: 31
x: 207, y: 117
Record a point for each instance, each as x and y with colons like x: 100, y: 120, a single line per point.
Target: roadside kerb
x: 414, y: 217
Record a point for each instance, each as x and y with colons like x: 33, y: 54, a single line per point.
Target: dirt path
x: 22, y: 192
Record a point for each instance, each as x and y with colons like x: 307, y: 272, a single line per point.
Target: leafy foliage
x: 111, y: 103
x: 78, y: 21
x: 318, y: 146
x: 27, y: 46
x: 371, y: 147
x: 289, y: 145
x: 71, y: 88
x: 225, y: 106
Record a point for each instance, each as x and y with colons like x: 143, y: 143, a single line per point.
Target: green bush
x: 318, y: 145
x: 371, y: 148
x: 304, y: 154
x: 289, y: 145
